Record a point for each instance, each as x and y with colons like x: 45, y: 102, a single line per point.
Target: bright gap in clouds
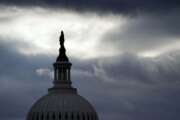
x: 175, y: 46
x: 40, y: 29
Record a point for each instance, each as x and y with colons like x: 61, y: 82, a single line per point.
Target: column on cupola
x: 62, y: 73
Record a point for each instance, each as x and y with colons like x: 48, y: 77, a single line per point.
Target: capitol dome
x: 62, y: 101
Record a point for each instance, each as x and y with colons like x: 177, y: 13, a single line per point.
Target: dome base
x: 62, y: 106
x: 62, y: 90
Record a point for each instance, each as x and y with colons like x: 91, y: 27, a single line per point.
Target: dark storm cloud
x: 131, y: 88
x: 115, y: 6
x: 140, y: 87
x: 126, y: 87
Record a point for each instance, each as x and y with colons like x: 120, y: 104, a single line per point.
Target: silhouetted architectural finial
x: 62, y: 51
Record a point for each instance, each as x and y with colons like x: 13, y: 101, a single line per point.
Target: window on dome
x: 42, y: 117
x: 83, y: 116
x: 72, y: 116
x: 59, y: 116
x: 66, y: 116
x: 53, y: 117
x: 37, y: 116
x: 77, y: 116
x: 87, y: 116
x: 47, y: 116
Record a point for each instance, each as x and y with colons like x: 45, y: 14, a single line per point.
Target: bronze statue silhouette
x: 61, y: 39
x: 62, y: 51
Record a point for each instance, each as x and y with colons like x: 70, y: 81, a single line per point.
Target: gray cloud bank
x: 124, y: 87
x: 115, y: 6
x: 145, y: 32
x: 17, y: 78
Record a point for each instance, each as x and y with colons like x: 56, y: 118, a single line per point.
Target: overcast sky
x: 125, y: 55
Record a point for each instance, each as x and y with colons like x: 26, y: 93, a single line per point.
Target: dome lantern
x: 62, y: 68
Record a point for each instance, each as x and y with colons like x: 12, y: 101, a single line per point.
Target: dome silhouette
x: 62, y: 101
x: 59, y: 105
